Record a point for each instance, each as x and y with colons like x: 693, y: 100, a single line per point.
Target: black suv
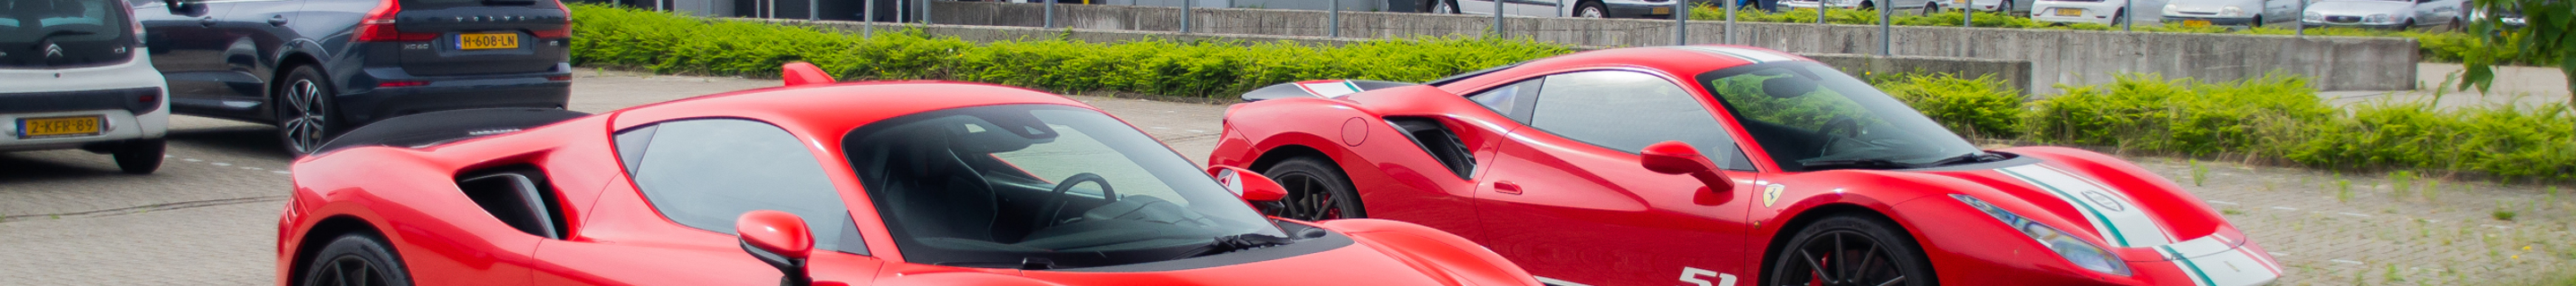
x: 316, y: 68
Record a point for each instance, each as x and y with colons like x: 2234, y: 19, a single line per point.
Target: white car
x: 2248, y: 13
x: 72, y: 75
x: 2006, y: 6
x: 1649, y: 9
x: 2107, y: 12
x: 2384, y: 14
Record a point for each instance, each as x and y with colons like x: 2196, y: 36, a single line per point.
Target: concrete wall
x: 2015, y: 72
x: 2055, y: 56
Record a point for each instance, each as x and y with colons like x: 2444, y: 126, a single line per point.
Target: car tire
x: 1930, y: 7
x: 1590, y: 9
x: 353, y: 260
x: 305, y: 116
x: 2119, y: 17
x: 1317, y: 190
x: 140, y: 157
x: 2258, y: 22
x: 1900, y: 260
x: 2006, y: 8
x: 1441, y: 6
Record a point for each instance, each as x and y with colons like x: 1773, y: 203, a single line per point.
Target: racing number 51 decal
x: 1693, y: 276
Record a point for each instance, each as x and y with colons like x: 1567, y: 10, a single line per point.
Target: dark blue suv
x: 316, y: 68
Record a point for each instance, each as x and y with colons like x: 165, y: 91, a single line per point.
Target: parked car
x: 1559, y: 8
x: 2106, y: 12
x: 2245, y: 13
x: 2005, y: 6
x: 316, y: 68
x: 2508, y: 19
x: 2385, y: 14
x: 1900, y: 5
x: 858, y: 184
x: 70, y: 78
x: 1720, y: 165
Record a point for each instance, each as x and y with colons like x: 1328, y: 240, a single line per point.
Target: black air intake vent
x: 518, y: 196
x: 1437, y: 140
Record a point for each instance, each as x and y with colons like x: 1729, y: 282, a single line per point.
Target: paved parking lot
x: 208, y: 217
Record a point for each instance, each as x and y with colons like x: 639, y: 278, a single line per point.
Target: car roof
x: 830, y: 109
x: 1687, y: 60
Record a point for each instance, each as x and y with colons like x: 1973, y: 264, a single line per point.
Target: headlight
x: 2231, y: 11
x: 2074, y: 250
x: 2314, y: 16
x: 2376, y: 18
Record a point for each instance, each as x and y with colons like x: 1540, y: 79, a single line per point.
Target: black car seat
x: 933, y: 192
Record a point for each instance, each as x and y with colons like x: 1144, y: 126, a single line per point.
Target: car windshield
x: 1811, y: 117
x: 63, y: 33
x: 1007, y: 185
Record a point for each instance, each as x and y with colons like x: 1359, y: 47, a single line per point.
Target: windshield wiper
x: 1231, y: 243
x: 1973, y: 157
x: 1875, y: 164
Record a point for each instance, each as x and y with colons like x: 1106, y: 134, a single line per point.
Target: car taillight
x: 558, y: 33
x: 379, y: 26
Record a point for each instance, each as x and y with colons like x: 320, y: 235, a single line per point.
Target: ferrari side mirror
x: 1675, y: 157
x: 1252, y: 187
x: 799, y: 73
x: 777, y: 238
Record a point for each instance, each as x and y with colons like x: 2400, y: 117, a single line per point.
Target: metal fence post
x: 925, y: 11
x: 1968, y: 13
x: 813, y: 10
x: 2128, y: 15
x: 1886, y: 36
x: 1498, y: 18
x: 1681, y: 22
x: 773, y: 10
x: 2300, y: 26
x: 1050, y: 13
x: 657, y: 5
x: 1186, y: 15
x: 1731, y: 6
x: 1820, y: 11
x: 868, y: 19
x: 1334, y: 29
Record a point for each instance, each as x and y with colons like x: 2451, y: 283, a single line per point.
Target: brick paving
x: 208, y: 217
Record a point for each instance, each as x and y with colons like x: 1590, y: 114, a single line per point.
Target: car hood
x: 2361, y: 8
x: 2132, y: 211
x: 1379, y: 253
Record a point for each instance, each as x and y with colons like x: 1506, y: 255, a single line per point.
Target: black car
x: 316, y: 68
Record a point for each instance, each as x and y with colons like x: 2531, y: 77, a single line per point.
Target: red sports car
x: 1719, y: 165
x: 891, y: 183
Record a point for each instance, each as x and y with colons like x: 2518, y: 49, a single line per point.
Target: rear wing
x: 1331, y: 88
x: 425, y: 129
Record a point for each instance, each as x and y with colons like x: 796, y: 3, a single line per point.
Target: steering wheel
x: 1835, y: 131
x: 1055, y: 202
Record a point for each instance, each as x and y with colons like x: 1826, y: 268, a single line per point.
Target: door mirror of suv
x: 1675, y: 157
x: 1252, y: 187
x: 777, y: 238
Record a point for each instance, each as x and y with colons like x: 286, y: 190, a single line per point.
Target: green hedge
x: 670, y: 43
x: 2272, y: 117
x: 2268, y: 117
x: 2447, y: 46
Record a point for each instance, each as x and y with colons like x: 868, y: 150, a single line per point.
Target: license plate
x: 51, y: 127
x: 2063, y: 12
x: 478, y: 41
x: 1663, y: 10
x: 2195, y: 23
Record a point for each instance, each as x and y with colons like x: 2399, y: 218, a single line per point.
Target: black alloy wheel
x: 1443, y: 6
x: 1850, y: 250
x: 355, y: 260
x: 1317, y: 190
x: 304, y: 117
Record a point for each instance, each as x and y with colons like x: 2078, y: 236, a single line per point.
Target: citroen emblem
x: 53, y: 51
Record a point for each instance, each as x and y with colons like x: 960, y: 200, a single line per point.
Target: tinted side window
x: 705, y: 173
x: 1506, y: 100
x: 1626, y: 111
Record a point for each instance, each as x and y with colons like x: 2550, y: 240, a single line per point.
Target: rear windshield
x: 64, y: 33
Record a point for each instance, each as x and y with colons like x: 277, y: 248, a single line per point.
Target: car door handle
x: 1507, y: 188
x: 206, y: 21
x: 278, y: 20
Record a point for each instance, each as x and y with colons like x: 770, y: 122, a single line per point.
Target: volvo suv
x: 315, y: 68
x: 69, y: 78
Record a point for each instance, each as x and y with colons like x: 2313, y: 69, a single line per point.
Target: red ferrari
x: 1720, y: 165
x: 889, y: 183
